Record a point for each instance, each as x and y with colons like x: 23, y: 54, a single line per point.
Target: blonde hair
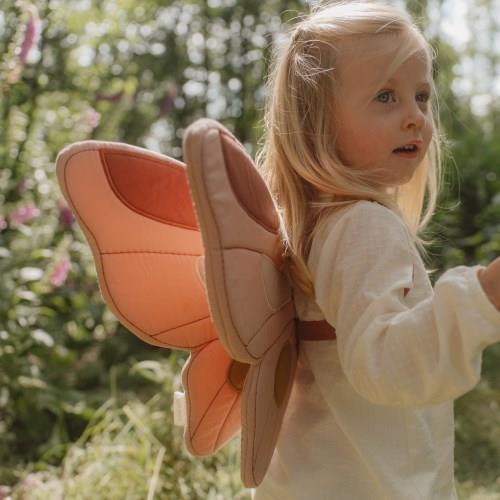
x: 298, y: 158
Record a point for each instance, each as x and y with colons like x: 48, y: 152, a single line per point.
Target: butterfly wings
x: 250, y: 299
x: 135, y: 210
x: 158, y: 262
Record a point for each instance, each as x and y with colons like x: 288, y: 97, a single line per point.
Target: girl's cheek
x: 379, y: 125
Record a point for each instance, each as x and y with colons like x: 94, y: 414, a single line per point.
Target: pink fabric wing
x: 135, y: 209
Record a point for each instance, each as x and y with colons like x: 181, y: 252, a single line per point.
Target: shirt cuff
x: 483, y: 302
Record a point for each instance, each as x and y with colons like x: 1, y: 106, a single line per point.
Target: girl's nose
x: 414, y: 117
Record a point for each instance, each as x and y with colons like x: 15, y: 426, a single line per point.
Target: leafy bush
x: 135, y: 452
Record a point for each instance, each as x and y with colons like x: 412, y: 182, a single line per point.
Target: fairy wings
x: 188, y: 257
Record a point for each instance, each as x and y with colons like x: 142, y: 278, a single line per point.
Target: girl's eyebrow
x: 421, y: 84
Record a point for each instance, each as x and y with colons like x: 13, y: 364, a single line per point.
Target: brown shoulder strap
x: 315, y: 330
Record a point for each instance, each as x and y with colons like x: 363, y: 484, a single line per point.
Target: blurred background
x: 85, y: 407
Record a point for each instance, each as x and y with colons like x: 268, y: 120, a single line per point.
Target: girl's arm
x: 490, y: 281
x: 391, y: 352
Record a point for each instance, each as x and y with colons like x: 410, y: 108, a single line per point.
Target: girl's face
x: 372, y: 120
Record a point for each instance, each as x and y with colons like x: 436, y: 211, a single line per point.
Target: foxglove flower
x: 93, y: 118
x: 31, y: 34
x: 24, y: 214
x: 66, y: 217
x: 58, y: 276
x: 4, y: 492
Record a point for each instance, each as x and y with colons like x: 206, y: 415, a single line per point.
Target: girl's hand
x: 490, y: 281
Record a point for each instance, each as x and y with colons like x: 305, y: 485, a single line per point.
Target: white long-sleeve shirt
x: 370, y: 416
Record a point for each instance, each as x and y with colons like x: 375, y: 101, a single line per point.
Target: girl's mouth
x: 407, y: 152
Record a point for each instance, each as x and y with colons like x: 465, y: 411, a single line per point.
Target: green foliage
x: 135, y: 452
x: 133, y: 76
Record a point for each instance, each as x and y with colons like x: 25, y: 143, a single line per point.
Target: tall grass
x: 134, y: 451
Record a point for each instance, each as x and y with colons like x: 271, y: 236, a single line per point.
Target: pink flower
x: 3, y: 223
x: 93, y: 118
x: 4, y: 492
x: 66, y: 217
x: 58, y: 276
x: 24, y: 214
x: 31, y: 481
x: 31, y: 34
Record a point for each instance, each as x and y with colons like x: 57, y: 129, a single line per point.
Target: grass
x: 133, y: 451
x: 130, y: 452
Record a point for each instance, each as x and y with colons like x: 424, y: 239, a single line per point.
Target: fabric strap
x: 315, y: 330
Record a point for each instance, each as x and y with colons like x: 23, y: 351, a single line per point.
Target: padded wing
x: 135, y: 210
x: 250, y: 299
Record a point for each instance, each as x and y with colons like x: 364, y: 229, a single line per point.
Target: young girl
x: 352, y: 146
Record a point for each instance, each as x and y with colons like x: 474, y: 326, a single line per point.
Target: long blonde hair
x: 297, y: 156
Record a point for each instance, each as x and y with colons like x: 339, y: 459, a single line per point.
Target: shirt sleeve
x: 393, y: 354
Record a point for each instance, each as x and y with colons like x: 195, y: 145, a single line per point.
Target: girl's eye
x: 382, y: 97
x: 425, y: 96
x: 386, y: 93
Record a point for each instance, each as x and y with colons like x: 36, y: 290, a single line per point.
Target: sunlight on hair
x: 297, y: 154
